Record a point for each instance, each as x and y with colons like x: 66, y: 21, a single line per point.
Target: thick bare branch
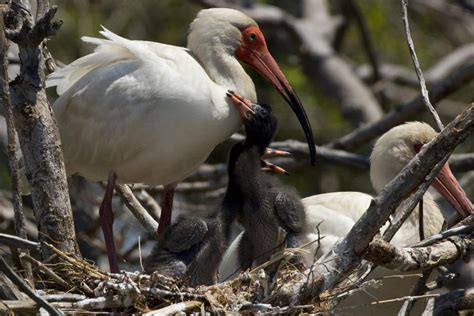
x: 447, y: 251
x: 345, y: 255
x: 20, y: 225
x: 38, y: 133
x: 406, y: 111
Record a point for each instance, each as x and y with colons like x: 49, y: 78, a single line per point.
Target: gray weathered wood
x: 447, y: 251
x: 37, y: 130
x: 20, y: 225
x: 346, y: 254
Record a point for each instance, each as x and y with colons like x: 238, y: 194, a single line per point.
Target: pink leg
x: 166, y: 204
x: 106, y: 215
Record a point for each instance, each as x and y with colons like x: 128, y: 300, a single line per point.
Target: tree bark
x: 345, y: 256
x: 447, y: 251
x: 37, y: 130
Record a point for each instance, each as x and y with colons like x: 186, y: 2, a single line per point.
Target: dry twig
x: 18, y: 281
x: 416, y: 64
x: 137, y: 209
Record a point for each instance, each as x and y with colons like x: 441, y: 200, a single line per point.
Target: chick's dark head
x: 261, y: 126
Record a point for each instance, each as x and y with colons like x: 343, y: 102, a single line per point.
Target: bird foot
x: 244, y: 106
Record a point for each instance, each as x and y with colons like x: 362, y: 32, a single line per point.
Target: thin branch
x: 464, y: 229
x: 137, y: 209
x: 367, y: 41
x: 149, y: 203
x: 416, y: 64
x: 18, y: 281
x: 19, y: 242
x: 50, y: 273
x: 421, y: 222
x: 186, y: 187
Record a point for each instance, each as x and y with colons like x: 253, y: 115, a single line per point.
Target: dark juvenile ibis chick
x: 261, y: 202
x: 190, y: 249
x: 193, y: 247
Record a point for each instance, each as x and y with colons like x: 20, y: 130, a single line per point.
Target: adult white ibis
x: 144, y: 112
x: 341, y: 209
x: 335, y: 213
x: 390, y: 154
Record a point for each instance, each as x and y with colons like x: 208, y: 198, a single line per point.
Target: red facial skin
x: 254, y: 52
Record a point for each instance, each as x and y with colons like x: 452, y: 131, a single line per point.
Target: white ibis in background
x: 340, y: 210
x: 336, y: 212
x: 145, y: 112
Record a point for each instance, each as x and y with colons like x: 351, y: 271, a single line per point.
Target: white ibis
x: 337, y: 212
x: 341, y: 209
x: 144, y: 112
x: 391, y: 153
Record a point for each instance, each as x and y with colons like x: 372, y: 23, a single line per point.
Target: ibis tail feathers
x: 109, y: 50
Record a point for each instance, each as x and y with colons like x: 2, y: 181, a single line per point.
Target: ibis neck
x: 432, y: 216
x: 224, y: 69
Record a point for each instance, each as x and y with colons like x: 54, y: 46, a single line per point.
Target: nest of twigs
x: 81, y: 287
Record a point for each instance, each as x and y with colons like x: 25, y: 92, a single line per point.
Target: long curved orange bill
x: 262, y: 61
x: 447, y: 185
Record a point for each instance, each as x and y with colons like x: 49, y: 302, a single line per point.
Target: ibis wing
x: 112, y: 49
x: 290, y: 211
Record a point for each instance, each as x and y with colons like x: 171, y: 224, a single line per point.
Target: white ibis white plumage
x: 145, y: 112
x: 335, y: 213
x: 390, y: 154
